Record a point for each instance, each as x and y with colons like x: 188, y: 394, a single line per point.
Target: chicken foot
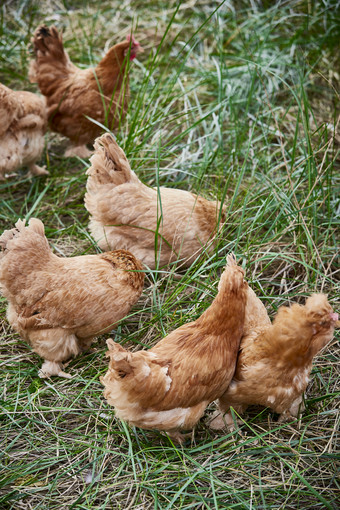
x: 34, y: 169
x: 178, y: 437
x: 223, y: 418
x: 80, y: 151
x: 293, y: 412
x: 50, y: 368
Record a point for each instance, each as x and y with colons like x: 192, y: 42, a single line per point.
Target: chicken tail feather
x: 119, y: 358
x: 51, y: 59
x: 23, y: 237
x: 109, y: 164
x: 231, y: 260
x: 47, y: 42
x: 232, y: 278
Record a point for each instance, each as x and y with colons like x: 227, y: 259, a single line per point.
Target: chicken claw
x: 37, y: 170
x: 219, y: 421
x: 50, y: 368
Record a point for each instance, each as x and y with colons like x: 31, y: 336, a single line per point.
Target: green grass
x: 238, y: 101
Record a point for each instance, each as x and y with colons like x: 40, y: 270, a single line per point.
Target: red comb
x: 134, y: 42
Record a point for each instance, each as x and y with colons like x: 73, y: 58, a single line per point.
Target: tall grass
x: 234, y: 100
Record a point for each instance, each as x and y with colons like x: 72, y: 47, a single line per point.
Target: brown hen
x: 73, y: 94
x: 127, y: 214
x: 169, y: 386
x: 60, y: 304
x: 275, y: 360
x: 23, y: 123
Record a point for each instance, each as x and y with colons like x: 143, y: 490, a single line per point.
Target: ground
x: 235, y: 100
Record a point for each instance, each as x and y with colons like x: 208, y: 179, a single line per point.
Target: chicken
x: 126, y: 213
x: 74, y: 94
x: 23, y: 122
x: 275, y: 360
x: 169, y: 386
x: 60, y: 304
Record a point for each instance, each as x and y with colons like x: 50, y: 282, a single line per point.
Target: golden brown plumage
x: 60, y: 304
x: 125, y: 213
x: 73, y: 94
x: 169, y: 386
x: 23, y: 122
x: 275, y: 361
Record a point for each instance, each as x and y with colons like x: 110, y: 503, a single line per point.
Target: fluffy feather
x: 60, y: 304
x: 126, y: 213
x: 23, y: 122
x: 74, y: 94
x: 169, y: 386
x: 275, y: 360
